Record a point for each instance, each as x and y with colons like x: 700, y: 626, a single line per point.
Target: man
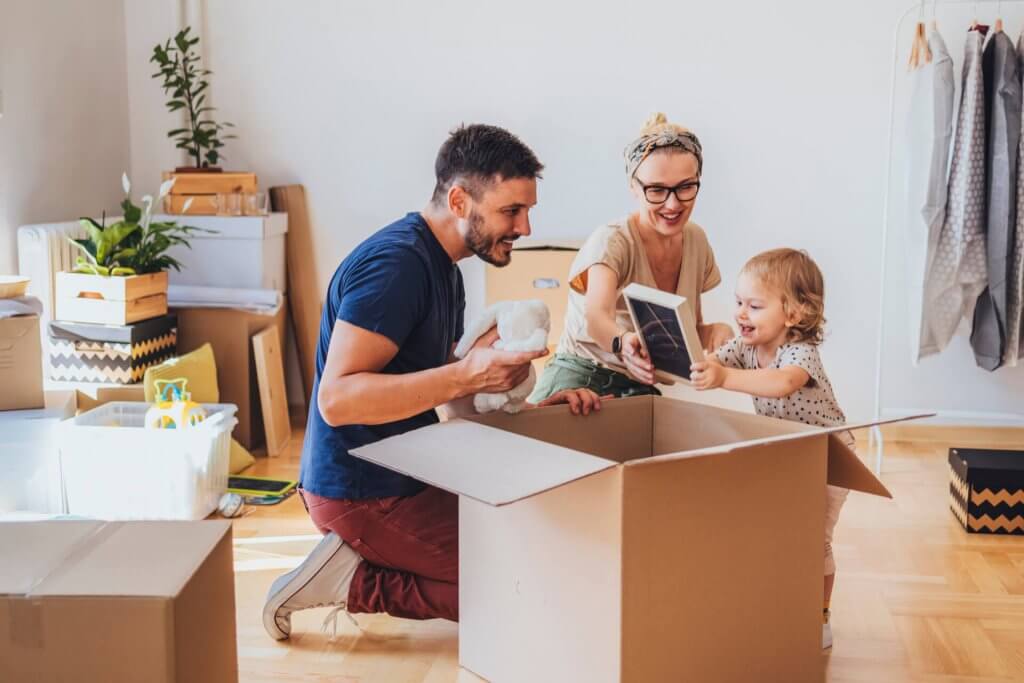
x: 393, y: 314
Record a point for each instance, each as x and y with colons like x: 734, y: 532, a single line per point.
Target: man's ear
x: 458, y: 201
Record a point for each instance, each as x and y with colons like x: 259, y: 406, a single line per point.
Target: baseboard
x: 956, y: 435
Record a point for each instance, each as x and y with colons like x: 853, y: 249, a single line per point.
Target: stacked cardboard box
x: 117, y: 602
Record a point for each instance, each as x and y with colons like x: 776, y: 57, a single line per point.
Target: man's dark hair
x: 479, y: 154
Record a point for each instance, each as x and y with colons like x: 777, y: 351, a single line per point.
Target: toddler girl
x: 780, y: 301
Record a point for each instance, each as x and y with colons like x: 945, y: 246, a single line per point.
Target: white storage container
x: 115, y: 468
x: 30, y: 459
x: 245, y: 252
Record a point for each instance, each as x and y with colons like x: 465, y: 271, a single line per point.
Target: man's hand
x: 636, y: 358
x: 581, y: 401
x: 708, y: 374
x: 490, y: 371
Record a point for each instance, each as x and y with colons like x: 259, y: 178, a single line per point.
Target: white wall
x: 64, y: 131
x: 790, y: 99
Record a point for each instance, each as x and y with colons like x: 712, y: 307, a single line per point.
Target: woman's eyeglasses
x: 658, y: 194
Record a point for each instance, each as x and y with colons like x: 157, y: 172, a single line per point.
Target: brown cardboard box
x: 538, y: 270
x: 117, y: 602
x: 230, y: 332
x: 21, y: 363
x: 655, y: 540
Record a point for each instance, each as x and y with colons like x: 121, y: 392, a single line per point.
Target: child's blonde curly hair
x: 795, y: 276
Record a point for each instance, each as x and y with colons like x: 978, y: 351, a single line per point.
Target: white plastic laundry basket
x: 113, y: 467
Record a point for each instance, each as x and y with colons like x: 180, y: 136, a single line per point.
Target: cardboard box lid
x: 32, y: 550
x: 232, y: 227
x: 120, y: 334
x: 484, y: 463
x: 118, y: 559
x: 498, y: 467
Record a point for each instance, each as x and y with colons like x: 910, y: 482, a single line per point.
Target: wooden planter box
x: 110, y: 300
x: 203, y: 188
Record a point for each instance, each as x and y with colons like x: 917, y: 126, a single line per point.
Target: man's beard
x: 478, y: 242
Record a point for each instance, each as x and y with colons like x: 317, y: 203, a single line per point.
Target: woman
x: 657, y: 246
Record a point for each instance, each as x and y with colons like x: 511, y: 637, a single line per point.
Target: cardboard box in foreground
x: 117, y: 602
x: 656, y: 540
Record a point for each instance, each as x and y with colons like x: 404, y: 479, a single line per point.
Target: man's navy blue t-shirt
x: 402, y: 284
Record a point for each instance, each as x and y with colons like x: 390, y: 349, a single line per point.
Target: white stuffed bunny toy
x: 522, y: 326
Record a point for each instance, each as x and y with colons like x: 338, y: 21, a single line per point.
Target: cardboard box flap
x: 484, y: 463
x: 32, y: 551
x: 120, y: 561
x: 846, y: 470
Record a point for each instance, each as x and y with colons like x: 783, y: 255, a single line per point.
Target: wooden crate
x: 89, y: 298
x: 211, y: 183
x: 202, y: 204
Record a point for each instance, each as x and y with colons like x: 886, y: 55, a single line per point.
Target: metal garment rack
x: 919, y: 11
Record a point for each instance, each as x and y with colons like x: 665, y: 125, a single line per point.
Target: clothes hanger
x: 920, y: 54
x: 999, y: 16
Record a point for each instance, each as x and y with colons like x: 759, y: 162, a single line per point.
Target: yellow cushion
x: 240, y: 458
x: 200, y: 369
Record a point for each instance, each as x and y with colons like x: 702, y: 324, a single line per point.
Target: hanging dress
x: 1015, y: 289
x: 929, y: 135
x: 1002, y: 139
x: 958, y: 272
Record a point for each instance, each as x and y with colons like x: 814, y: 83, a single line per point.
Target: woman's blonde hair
x: 795, y: 276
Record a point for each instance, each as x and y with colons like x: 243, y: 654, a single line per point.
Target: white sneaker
x: 322, y: 580
x: 826, y: 636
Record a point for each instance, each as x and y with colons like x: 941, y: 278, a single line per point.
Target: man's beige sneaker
x: 322, y: 580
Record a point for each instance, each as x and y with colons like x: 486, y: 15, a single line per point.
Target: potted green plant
x: 186, y: 82
x: 121, y: 271
x: 202, y: 138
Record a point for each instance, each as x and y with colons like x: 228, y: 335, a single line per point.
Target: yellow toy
x: 174, y: 407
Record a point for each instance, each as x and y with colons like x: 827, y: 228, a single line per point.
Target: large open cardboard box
x: 656, y: 540
x: 117, y: 602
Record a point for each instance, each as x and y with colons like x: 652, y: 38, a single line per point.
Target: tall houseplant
x: 185, y: 81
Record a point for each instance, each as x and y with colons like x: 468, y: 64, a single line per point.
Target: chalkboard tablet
x: 667, y: 329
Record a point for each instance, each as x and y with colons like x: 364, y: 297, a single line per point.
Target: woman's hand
x: 708, y: 374
x: 581, y: 401
x: 713, y: 335
x: 636, y: 358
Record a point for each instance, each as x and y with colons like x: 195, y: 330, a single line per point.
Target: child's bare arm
x: 768, y: 383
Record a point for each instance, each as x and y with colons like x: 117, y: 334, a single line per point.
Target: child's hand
x: 707, y: 375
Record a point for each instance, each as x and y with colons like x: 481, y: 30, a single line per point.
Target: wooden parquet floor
x: 917, y: 599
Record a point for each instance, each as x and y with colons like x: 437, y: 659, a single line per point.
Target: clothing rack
x: 924, y: 11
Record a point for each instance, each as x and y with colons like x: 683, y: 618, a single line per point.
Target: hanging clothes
x: 1015, y: 289
x: 1002, y: 140
x: 929, y: 134
x: 958, y: 272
